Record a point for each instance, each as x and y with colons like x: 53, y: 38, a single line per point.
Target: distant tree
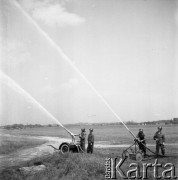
x: 131, y: 123
x: 175, y: 121
x: 7, y: 127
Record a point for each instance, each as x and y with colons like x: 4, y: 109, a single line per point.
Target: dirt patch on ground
x: 15, y: 158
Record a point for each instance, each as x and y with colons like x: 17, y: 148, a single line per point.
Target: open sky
x: 125, y: 48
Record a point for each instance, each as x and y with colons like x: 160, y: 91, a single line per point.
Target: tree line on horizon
x: 22, y: 126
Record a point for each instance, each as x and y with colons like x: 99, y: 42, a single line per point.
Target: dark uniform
x: 90, y: 142
x: 142, y: 141
x: 160, y: 140
x: 82, y: 139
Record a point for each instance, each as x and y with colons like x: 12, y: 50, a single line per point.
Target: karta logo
x: 114, y: 169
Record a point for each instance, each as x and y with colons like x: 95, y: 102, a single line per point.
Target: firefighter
x: 160, y: 140
x: 82, y: 137
x: 141, y: 141
x: 90, y: 142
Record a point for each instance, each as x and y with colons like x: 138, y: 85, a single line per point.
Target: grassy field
x: 77, y: 166
x: 111, y: 134
x: 87, y: 166
x: 9, y: 144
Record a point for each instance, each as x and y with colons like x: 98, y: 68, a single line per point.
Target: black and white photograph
x: 88, y: 89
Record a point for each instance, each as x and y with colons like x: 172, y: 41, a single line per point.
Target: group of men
x: 158, y: 137
x: 82, y: 137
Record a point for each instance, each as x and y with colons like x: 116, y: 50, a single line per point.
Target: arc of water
x: 66, y: 58
x: 13, y: 85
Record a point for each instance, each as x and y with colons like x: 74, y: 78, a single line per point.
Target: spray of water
x: 66, y: 58
x: 5, y: 79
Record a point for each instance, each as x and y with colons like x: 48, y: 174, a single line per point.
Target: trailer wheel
x: 139, y: 156
x: 65, y: 148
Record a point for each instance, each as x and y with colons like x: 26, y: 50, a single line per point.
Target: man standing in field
x: 160, y: 140
x: 90, y: 142
x: 82, y: 139
x: 142, y: 141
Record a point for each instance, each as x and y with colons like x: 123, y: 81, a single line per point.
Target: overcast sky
x: 125, y: 48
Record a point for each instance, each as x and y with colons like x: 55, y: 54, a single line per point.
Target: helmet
x: 159, y: 128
